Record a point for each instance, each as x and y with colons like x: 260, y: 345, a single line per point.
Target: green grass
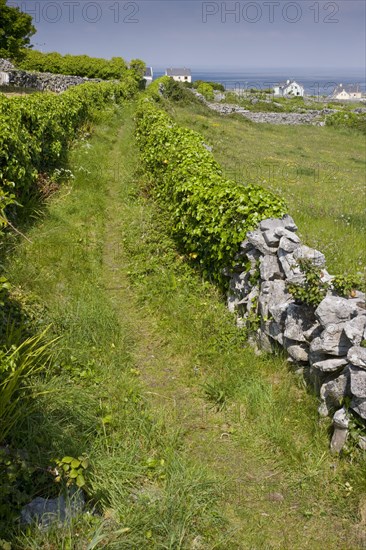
x: 319, y: 171
x: 191, y: 436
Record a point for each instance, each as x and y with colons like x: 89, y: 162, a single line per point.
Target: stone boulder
x: 355, y: 329
x: 270, y: 268
x: 298, y: 351
x: 334, y: 310
x: 257, y: 239
x: 333, y: 391
x: 340, y: 423
x: 326, y: 364
x: 47, y: 511
x: 358, y: 381
x: 305, y: 253
x: 299, y: 319
x: 357, y: 356
x: 358, y: 404
x: 332, y: 341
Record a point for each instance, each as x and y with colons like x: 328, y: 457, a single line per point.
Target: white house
x: 4, y: 78
x: 148, y: 76
x: 290, y: 87
x: 351, y: 91
x: 180, y: 75
x: 5, y: 67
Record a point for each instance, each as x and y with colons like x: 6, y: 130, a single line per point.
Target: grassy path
x: 195, y: 442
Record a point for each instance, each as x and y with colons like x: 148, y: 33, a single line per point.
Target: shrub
x: 210, y: 215
x: 36, y: 130
x: 214, y: 85
x: 206, y: 90
x: 344, y: 119
x: 166, y: 87
x: 80, y: 65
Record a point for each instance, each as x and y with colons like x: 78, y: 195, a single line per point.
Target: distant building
x: 350, y: 91
x: 4, y: 78
x: 5, y: 67
x: 290, y: 87
x: 180, y: 75
x: 148, y: 76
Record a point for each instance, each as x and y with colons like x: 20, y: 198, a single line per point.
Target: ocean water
x: 315, y: 82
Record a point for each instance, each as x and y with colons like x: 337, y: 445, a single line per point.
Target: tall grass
x: 17, y: 366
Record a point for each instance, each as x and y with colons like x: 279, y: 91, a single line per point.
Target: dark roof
x: 178, y: 72
x: 285, y: 84
x: 349, y: 88
x: 148, y: 72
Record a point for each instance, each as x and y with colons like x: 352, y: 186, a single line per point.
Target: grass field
x: 319, y: 171
x: 194, y: 441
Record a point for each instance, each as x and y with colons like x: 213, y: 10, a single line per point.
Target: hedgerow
x: 79, y: 65
x: 36, y: 130
x: 355, y: 121
x: 209, y: 214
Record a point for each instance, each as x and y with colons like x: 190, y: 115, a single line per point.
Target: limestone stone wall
x: 39, y: 81
x: 326, y: 341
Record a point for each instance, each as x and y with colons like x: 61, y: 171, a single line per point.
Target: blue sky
x: 233, y: 35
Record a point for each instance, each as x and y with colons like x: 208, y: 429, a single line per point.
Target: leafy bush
x: 167, y: 88
x: 346, y: 285
x: 36, y: 130
x: 206, y: 90
x: 313, y: 289
x: 346, y: 119
x: 214, y: 85
x: 210, y: 215
x: 80, y: 65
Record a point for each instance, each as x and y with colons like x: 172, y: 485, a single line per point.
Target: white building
x: 180, y: 75
x: 5, y: 67
x: 148, y: 76
x: 290, y: 87
x: 352, y: 91
x: 4, y: 78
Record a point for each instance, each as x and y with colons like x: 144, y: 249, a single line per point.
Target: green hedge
x: 79, y: 65
x: 36, y: 130
x: 210, y: 214
x: 346, y: 119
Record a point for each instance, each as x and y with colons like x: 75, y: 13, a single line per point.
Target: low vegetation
x: 354, y: 121
x: 318, y: 171
x: 121, y: 371
x: 209, y: 214
x: 185, y: 437
x: 265, y: 101
x: 80, y: 65
x: 36, y: 131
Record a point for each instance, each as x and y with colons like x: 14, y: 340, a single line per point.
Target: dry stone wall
x: 324, y: 341
x: 39, y: 81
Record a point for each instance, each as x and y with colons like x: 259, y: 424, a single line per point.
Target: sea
x: 316, y: 82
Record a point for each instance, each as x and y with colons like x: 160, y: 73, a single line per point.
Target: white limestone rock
x: 257, y: 240
x: 357, y: 356
x: 329, y: 365
x: 358, y: 404
x: 270, y: 268
x: 299, y: 319
x: 333, y: 391
x: 335, y: 310
x: 355, y: 329
x: 297, y: 350
x: 358, y: 381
